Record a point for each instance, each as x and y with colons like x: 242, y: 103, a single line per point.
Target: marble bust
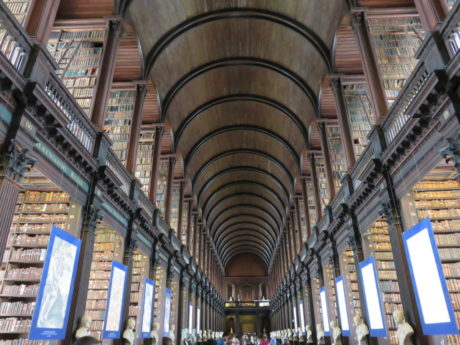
x: 404, y: 331
x: 336, y: 333
x: 361, y: 330
x: 154, y: 333
x: 85, y: 325
x: 309, y: 334
x: 320, y: 333
x: 128, y: 333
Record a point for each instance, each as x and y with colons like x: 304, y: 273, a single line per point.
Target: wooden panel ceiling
x: 85, y: 9
x: 128, y: 62
x: 385, y: 3
x: 347, y: 55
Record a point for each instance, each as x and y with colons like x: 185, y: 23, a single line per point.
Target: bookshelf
x: 144, y: 157
x: 322, y: 181
x: 40, y: 206
x: 451, y: 3
x: 175, y: 206
x: 395, y: 40
x: 78, y: 55
x: 162, y: 185
x: 339, y: 165
x: 303, y: 220
x: 108, y: 246
x: 350, y: 281
x: 360, y: 115
x: 316, y: 300
x: 437, y: 196
x: 120, y: 107
x: 376, y: 242
x: 329, y: 283
x: 184, y: 223
x: 160, y: 278
x: 140, y: 272
x: 311, y: 203
x: 19, y: 8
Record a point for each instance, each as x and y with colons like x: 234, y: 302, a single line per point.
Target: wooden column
x: 327, y: 160
x: 41, y: 19
x: 344, y: 126
x: 138, y: 113
x: 180, y: 231
x: 155, y: 165
x: 374, y: 81
x: 188, y: 230
x: 305, y: 206
x: 299, y: 222
x: 314, y: 177
x: 169, y: 188
x: 431, y: 12
x: 105, y: 73
x: 105, y: 76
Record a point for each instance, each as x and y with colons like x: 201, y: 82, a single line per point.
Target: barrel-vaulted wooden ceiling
x: 238, y: 81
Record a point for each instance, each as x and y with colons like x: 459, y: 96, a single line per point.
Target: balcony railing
x: 247, y: 304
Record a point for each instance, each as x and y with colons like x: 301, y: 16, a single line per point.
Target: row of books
x: 20, y: 290
x: 17, y: 308
x: 36, y: 196
x: 450, y: 239
x: 41, y: 207
x: 30, y: 218
x: 451, y: 269
x: 76, y: 35
x: 87, y: 83
x: 22, y: 341
x: 437, y: 203
x: 418, y: 195
x: 19, y: 9
x: 29, y: 240
x: 439, y: 213
x: 37, y: 254
x: 24, y: 273
x: 14, y: 324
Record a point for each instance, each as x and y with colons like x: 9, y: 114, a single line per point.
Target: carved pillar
x: 311, y: 308
x: 344, y: 126
x: 105, y: 77
x: 128, y: 261
x: 183, y: 305
x: 188, y: 231
x: 314, y: 177
x: 431, y: 12
x: 370, y: 66
x: 138, y: 113
x: 391, y: 210
x: 327, y: 159
x: 41, y: 19
x: 305, y: 206
x: 13, y: 164
x: 169, y: 187
x: 155, y: 165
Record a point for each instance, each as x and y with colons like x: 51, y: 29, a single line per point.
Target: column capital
x: 14, y: 163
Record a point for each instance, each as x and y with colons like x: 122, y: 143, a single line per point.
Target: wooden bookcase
x: 303, y: 220
x: 78, y: 54
x: 40, y: 206
x: 140, y: 272
x: 311, y: 203
x: 184, y: 224
x: 395, y: 39
x: 360, y: 114
x: 19, y: 8
x: 120, y: 107
x: 437, y: 196
x: 144, y: 157
x: 322, y: 181
x: 107, y: 247
x: 376, y: 242
x: 339, y: 165
x: 351, y: 285
x: 162, y: 185
x: 173, y: 222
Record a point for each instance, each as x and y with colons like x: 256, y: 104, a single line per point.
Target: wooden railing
x: 15, y: 43
x: 120, y: 171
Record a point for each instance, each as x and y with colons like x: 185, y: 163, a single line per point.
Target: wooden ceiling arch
x: 239, y: 85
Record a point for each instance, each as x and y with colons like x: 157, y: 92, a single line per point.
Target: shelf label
x: 324, y: 311
x: 147, y: 311
x: 117, y: 286
x: 168, y: 299
x: 343, y: 311
x: 431, y: 293
x: 373, y: 299
x: 190, y: 318
x: 51, y: 313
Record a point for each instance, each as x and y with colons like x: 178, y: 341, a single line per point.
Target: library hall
x: 230, y: 172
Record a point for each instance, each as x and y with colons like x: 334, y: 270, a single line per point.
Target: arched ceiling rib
x: 238, y: 83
